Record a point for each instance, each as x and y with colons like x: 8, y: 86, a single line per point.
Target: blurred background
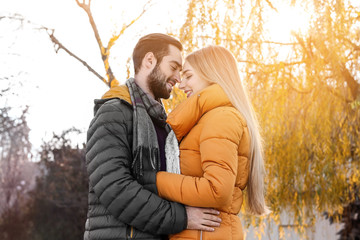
x: 300, y: 61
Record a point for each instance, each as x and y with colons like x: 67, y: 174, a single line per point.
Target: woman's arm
x: 219, y: 142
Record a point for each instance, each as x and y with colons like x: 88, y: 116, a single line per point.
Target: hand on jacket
x: 202, y: 218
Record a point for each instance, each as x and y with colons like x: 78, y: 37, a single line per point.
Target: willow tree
x: 308, y: 104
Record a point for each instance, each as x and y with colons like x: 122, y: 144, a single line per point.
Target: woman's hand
x: 204, y: 219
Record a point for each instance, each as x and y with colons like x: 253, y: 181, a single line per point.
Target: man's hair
x: 157, y: 43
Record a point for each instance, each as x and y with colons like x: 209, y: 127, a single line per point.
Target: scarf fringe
x: 151, y: 156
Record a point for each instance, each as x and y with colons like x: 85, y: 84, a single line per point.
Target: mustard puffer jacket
x: 214, y: 161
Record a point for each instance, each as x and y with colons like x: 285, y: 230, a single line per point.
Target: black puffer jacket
x: 119, y: 207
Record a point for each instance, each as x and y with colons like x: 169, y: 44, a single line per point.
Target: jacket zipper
x: 129, y: 232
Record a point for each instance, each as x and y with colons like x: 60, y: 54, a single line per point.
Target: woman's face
x: 191, y: 83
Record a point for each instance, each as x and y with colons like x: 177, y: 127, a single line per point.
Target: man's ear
x: 149, y: 61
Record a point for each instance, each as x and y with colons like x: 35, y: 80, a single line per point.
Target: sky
x: 58, y: 89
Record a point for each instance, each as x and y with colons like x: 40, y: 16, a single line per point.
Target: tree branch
x: 59, y: 46
x: 116, y: 37
x: 280, y: 43
x: 302, y: 91
x: 337, y: 66
x: 356, y: 47
x: 250, y: 41
x: 86, y: 8
x: 298, y: 90
x: 105, y: 51
x: 335, y: 93
x: 271, y: 6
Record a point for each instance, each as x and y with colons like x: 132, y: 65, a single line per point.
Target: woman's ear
x: 149, y: 61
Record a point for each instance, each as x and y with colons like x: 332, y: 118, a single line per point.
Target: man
x: 126, y: 147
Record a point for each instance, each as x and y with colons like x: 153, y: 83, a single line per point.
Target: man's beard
x: 157, y: 84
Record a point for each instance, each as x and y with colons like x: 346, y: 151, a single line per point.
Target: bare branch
x: 116, y: 37
x: 339, y: 95
x: 2, y: 91
x: 271, y: 6
x: 280, y: 43
x: 298, y: 90
x: 59, y: 46
x: 17, y: 17
x: 250, y: 41
x: 105, y: 51
x: 56, y: 42
x: 83, y: 4
x: 355, y: 46
x: 339, y: 67
x: 86, y: 8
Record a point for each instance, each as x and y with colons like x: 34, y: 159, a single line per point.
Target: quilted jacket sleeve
x: 108, y: 161
x: 219, y: 143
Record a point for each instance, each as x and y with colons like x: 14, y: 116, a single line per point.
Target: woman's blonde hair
x: 216, y: 64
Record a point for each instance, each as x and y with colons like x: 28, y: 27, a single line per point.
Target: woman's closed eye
x: 187, y: 77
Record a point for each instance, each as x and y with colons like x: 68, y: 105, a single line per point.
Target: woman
x: 220, y: 145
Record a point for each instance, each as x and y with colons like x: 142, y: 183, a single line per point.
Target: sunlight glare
x: 286, y: 20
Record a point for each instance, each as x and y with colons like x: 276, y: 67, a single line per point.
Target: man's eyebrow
x: 177, y: 63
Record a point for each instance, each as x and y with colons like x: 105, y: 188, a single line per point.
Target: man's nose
x: 177, y: 77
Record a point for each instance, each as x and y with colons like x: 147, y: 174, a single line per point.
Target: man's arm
x: 108, y: 162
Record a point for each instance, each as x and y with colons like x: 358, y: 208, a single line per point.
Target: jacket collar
x: 121, y: 92
x: 188, y: 113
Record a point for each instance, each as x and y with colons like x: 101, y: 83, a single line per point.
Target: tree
x: 110, y: 79
x: 58, y: 205
x: 15, y: 173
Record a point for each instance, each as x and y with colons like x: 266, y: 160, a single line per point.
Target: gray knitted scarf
x: 145, y: 144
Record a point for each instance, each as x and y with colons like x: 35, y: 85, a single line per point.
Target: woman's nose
x: 182, y: 84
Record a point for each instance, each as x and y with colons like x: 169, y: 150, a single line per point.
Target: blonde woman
x: 220, y: 145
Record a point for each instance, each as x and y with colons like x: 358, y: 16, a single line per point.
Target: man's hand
x: 202, y: 218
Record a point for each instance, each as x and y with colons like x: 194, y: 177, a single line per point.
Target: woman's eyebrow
x: 187, y: 70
